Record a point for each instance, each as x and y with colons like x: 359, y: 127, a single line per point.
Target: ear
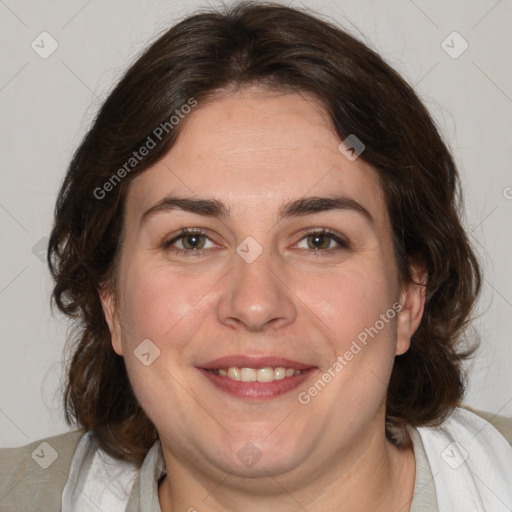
x: 111, y: 313
x: 412, y: 300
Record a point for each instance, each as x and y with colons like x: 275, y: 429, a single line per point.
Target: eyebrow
x: 297, y: 208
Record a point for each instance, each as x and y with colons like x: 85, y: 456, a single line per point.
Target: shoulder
x: 36, y: 473
x: 502, y: 424
x: 471, y: 460
x: 476, y: 431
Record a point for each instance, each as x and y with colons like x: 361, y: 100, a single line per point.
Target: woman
x: 259, y: 240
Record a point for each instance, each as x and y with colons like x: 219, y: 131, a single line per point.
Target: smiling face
x: 277, y: 279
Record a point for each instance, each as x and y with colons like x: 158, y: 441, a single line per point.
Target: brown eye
x: 323, y: 241
x: 188, y: 243
x: 193, y: 241
x: 319, y: 241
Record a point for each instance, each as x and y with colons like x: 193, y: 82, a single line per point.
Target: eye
x: 323, y: 241
x: 192, y: 243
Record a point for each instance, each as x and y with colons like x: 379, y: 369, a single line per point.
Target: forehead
x: 255, y: 149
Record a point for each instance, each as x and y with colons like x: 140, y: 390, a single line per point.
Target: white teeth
x: 234, y: 373
x: 267, y: 374
x: 279, y: 373
x: 247, y: 375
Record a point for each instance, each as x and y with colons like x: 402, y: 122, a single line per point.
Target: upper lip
x: 242, y: 361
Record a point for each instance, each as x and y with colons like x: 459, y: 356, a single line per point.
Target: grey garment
x: 424, y: 497
x: 144, y: 495
x: 32, y: 477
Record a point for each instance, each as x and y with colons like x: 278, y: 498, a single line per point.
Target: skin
x: 254, y: 150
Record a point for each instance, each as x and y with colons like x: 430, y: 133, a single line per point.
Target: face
x: 288, y: 266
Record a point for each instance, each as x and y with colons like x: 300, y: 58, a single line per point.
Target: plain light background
x: 47, y: 105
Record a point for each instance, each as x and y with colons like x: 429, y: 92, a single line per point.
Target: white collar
x: 471, y: 463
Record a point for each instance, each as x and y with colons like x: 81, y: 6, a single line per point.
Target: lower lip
x: 257, y: 390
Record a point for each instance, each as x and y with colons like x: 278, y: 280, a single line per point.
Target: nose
x: 256, y: 296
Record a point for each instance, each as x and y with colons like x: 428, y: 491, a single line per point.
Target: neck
x: 374, y: 476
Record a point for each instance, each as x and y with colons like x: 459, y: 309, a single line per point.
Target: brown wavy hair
x: 284, y: 49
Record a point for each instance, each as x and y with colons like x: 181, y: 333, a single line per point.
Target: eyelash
x: 342, y: 244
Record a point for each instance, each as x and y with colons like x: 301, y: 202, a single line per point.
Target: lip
x: 241, y: 361
x: 257, y: 391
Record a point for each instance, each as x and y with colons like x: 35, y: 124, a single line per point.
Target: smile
x: 255, y: 378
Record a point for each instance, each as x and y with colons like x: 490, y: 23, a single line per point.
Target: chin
x: 269, y: 466
x: 255, y: 460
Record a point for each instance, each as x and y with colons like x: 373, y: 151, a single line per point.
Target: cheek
x: 352, y: 300
x: 156, y: 300
x: 359, y: 309
x: 159, y: 306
